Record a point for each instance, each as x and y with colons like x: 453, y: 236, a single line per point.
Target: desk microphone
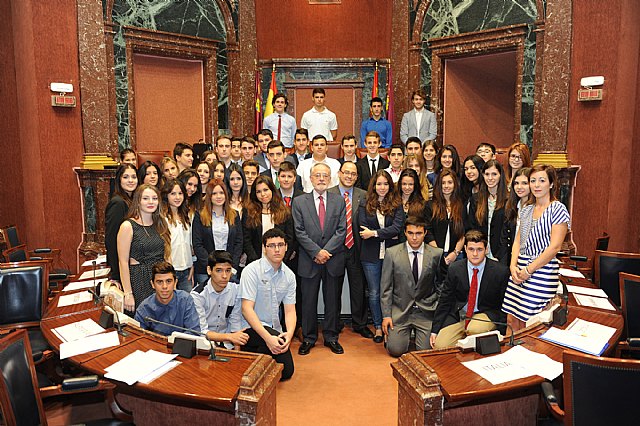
x: 212, y: 351
x: 117, y: 324
x: 512, y: 342
x: 560, y: 315
x: 96, y: 289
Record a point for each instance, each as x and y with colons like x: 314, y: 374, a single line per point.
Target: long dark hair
x: 511, y: 208
x: 279, y: 211
x: 390, y: 202
x: 416, y: 200
x: 482, y: 206
x: 234, y: 167
x: 159, y: 224
x: 439, y: 203
x: 183, y: 210
x: 455, y: 164
x: 142, y: 172
x: 466, y: 185
x: 118, y: 187
x: 195, y: 201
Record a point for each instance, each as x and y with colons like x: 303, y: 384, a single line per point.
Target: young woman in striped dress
x: 534, y: 267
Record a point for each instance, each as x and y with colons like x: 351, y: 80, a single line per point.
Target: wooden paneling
x: 296, y: 29
x: 339, y: 100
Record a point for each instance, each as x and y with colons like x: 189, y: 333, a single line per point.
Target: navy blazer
x: 203, y: 243
x: 393, y: 224
x: 455, y: 294
x: 312, y: 239
x: 253, y: 238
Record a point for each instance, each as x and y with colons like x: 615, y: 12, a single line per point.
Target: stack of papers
x: 74, y: 299
x: 78, y: 330
x: 571, y: 273
x: 140, y: 366
x: 91, y: 274
x: 99, y: 260
x: 78, y: 285
x: 598, y: 292
x: 516, y: 363
x: 594, y: 302
x: 583, y: 336
x: 88, y: 344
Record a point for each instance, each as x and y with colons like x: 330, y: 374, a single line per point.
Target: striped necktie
x: 348, y: 241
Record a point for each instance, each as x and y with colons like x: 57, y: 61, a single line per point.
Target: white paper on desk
x: 78, y: 285
x: 598, y: 292
x: 88, y: 344
x: 88, y: 275
x: 137, y: 365
x: 78, y: 330
x: 594, y: 302
x: 581, y: 335
x: 159, y: 372
x: 74, y: 299
x: 99, y: 260
x: 571, y: 273
x: 497, y: 369
x: 537, y: 363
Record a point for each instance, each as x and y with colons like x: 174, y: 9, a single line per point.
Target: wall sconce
x: 62, y: 99
x: 587, y: 92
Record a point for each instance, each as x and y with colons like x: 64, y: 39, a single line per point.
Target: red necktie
x: 279, y: 125
x: 287, y: 201
x: 348, y: 241
x: 471, y: 303
x: 321, y: 212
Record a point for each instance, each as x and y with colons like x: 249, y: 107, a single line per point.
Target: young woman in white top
x: 176, y: 212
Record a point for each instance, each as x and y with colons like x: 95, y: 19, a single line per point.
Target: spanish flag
x: 258, y: 118
x: 268, y: 108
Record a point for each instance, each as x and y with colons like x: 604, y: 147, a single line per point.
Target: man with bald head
x: 320, y: 223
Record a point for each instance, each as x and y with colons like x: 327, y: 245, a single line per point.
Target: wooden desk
x: 434, y: 388
x: 238, y: 392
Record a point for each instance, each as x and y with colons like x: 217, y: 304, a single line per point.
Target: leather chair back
x: 608, y: 265
x: 18, y: 382
x: 23, y: 294
x: 155, y: 156
x: 10, y: 235
x: 602, y: 243
x: 630, y: 298
x: 16, y: 254
x: 198, y: 150
x: 334, y: 150
x: 600, y: 391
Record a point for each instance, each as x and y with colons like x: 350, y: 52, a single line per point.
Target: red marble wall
x: 352, y: 29
x: 601, y: 134
x: 48, y: 141
x: 11, y: 199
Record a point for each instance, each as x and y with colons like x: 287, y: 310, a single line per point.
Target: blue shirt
x: 219, y: 312
x: 180, y: 311
x: 382, y: 126
x: 348, y: 191
x: 268, y: 288
x: 470, y: 269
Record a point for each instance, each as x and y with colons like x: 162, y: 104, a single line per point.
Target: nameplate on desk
x: 74, y: 299
x: 79, y: 285
x: 469, y: 342
x: 202, y: 344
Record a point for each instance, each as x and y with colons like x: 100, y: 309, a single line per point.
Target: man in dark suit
x: 408, y: 293
x: 275, y: 153
x: 264, y: 137
x: 301, y: 144
x: 349, y: 146
x: 320, y: 226
x: 372, y: 162
x: 474, y: 288
x: 353, y: 196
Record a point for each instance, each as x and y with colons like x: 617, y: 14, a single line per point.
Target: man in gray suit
x: 320, y: 224
x: 419, y: 122
x: 353, y: 196
x: 408, y: 292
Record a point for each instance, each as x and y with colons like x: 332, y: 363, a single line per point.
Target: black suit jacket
x: 497, y: 221
x: 203, y: 243
x: 393, y: 224
x: 292, y: 158
x: 437, y: 229
x: 253, y: 238
x: 364, y: 170
x: 455, y: 294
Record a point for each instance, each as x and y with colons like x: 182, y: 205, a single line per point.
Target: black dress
x: 147, y: 247
x: 115, y: 214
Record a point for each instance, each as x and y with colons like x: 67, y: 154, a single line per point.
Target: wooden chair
x: 20, y: 395
x: 11, y: 236
x: 607, y: 266
x: 630, y: 298
x: 602, y: 243
x: 597, y: 391
x: 57, y: 278
x: 155, y: 156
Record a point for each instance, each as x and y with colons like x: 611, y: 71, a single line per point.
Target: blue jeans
x: 373, y: 272
x: 183, y: 281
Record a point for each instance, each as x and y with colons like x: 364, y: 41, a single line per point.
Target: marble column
x: 242, y: 67
x: 400, y: 59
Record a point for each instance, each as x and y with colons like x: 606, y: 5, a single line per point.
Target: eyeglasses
x: 321, y: 175
x: 515, y: 157
x: 276, y: 245
x: 352, y: 174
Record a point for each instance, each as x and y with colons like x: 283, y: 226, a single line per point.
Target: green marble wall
x: 198, y: 18
x: 451, y: 17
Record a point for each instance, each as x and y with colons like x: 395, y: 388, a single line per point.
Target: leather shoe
x: 305, y: 348
x: 364, y: 332
x: 335, y: 347
x: 378, y: 339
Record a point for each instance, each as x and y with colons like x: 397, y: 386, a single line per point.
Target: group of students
x: 244, y: 207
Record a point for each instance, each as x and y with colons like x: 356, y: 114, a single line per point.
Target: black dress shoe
x: 364, y: 332
x: 305, y: 348
x: 378, y: 339
x: 335, y: 347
